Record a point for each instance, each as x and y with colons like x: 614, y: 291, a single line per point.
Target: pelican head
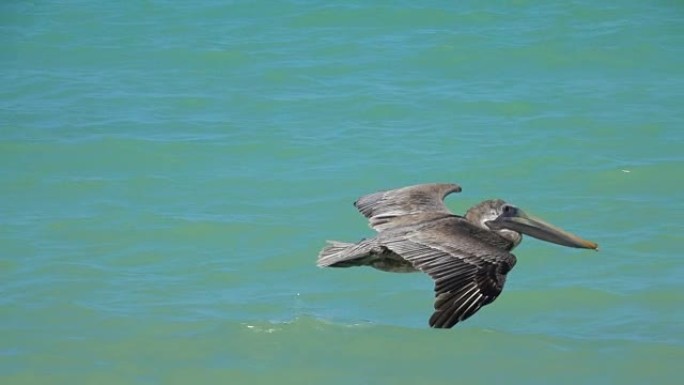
x: 510, y: 222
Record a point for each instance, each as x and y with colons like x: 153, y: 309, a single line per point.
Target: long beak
x: 539, y: 229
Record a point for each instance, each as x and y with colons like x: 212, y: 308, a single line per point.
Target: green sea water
x: 170, y: 170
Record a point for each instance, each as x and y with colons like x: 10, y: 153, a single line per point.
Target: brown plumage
x: 467, y: 256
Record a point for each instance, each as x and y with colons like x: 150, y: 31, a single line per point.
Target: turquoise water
x: 171, y: 169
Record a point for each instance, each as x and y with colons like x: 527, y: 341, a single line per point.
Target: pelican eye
x: 508, y: 210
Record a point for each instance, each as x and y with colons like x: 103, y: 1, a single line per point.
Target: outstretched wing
x: 392, y: 208
x: 469, y: 273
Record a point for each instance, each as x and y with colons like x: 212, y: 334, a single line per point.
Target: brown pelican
x: 468, y: 256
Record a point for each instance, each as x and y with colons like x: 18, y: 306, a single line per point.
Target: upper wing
x: 387, y: 209
x: 468, y: 272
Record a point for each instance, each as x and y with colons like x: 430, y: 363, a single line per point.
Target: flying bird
x: 467, y: 256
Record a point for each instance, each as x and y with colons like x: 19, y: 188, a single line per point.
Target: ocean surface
x: 170, y: 170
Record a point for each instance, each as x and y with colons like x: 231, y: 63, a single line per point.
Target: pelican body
x: 467, y: 256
